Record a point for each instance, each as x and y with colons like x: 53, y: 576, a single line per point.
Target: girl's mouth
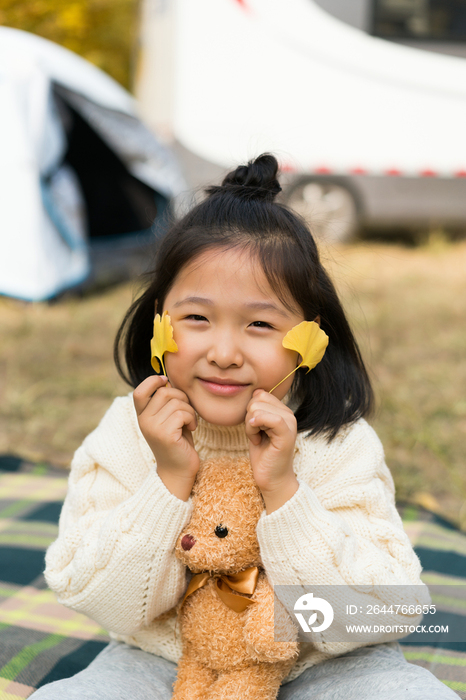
x: 222, y: 389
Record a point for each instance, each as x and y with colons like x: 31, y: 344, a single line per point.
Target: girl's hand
x: 271, y: 427
x: 167, y: 419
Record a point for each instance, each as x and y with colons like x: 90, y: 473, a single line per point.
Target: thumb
x: 187, y: 433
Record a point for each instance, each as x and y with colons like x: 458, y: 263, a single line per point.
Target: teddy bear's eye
x: 221, y: 531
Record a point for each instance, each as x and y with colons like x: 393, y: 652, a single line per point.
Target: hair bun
x: 256, y: 180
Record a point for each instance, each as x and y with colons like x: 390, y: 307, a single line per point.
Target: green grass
x: 407, y: 306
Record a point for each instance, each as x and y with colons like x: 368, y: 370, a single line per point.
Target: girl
x: 235, y: 275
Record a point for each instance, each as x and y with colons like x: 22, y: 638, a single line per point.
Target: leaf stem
x: 281, y: 381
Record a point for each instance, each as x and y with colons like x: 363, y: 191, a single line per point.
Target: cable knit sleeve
x: 341, y: 527
x: 114, y: 557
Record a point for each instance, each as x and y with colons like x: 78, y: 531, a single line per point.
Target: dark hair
x: 241, y: 214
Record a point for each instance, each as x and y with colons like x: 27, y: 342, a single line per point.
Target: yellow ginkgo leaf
x: 162, y: 341
x: 309, y: 341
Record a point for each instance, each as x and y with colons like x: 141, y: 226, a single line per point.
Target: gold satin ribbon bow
x: 243, y: 582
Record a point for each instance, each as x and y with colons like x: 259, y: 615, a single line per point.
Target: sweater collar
x: 224, y: 438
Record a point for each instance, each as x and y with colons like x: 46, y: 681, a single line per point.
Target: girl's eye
x: 197, y: 317
x: 264, y: 324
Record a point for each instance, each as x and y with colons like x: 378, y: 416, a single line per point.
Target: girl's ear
x: 155, y: 306
x: 317, y: 320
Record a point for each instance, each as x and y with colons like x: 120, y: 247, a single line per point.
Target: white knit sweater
x: 114, y: 557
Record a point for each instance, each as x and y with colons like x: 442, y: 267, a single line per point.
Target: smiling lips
x: 222, y: 387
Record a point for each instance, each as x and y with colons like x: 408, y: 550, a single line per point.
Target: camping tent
x: 82, y: 180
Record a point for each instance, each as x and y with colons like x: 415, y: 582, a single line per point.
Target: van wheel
x: 329, y: 208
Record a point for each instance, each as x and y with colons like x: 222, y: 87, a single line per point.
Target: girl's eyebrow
x: 258, y: 305
x: 265, y: 305
x: 194, y: 300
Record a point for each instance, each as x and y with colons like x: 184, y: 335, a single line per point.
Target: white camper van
x: 430, y: 25
x: 369, y: 131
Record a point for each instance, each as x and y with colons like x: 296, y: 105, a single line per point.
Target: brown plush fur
x: 227, y: 654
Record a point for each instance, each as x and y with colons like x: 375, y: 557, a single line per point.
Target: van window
x: 434, y: 20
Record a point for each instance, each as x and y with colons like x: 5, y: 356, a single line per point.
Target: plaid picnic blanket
x: 42, y: 641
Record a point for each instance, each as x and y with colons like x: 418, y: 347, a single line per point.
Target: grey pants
x: 379, y: 672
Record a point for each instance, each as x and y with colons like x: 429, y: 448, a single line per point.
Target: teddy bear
x: 226, y: 617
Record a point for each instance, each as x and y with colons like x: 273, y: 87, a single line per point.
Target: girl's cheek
x: 264, y: 354
x: 189, y: 345
x: 276, y: 353
x: 179, y: 336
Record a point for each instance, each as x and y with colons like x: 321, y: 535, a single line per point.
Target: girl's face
x: 229, y: 326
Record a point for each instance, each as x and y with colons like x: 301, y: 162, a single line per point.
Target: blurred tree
x: 102, y: 31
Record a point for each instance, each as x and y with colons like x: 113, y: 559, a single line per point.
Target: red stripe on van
x: 428, y: 173
x: 393, y: 172
x: 322, y: 170
x: 288, y: 168
x: 358, y: 170
x: 460, y: 173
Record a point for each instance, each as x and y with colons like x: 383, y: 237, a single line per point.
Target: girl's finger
x: 179, y: 413
x: 255, y: 425
x: 186, y: 420
x: 255, y: 439
x: 163, y: 395
x: 145, y: 391
x: 270, y: 423
x: 267, y: 401
x: 260, y: 407
x: 262, y: 395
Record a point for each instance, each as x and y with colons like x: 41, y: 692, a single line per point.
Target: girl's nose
x: 225, y: 352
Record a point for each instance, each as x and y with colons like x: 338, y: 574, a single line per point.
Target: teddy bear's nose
x: 187, y: 541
